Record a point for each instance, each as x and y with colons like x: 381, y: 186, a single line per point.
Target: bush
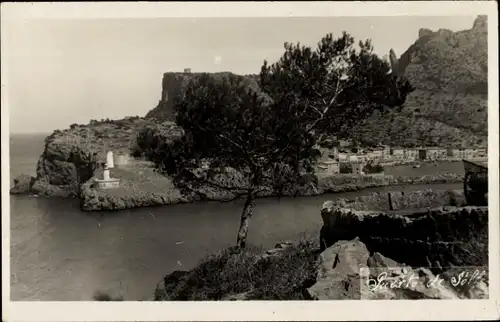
x: 373, y: 168
x: 235, y: 271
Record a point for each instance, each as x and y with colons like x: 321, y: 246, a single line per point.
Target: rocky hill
x: 450, y: 73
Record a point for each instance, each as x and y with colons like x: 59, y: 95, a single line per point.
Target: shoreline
x: 93, y: 200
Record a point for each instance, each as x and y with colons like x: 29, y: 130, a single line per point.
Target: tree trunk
x: 296, y: 174
x: 246, y: 214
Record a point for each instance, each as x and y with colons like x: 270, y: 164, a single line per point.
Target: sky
x: 61, y: 72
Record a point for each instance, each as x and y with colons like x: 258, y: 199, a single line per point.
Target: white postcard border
x: 257, y: 310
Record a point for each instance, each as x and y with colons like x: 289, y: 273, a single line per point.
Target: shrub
x: 373, y: 168
x: 235, y: 271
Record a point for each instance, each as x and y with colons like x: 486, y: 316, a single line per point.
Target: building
x: 430, y: 153
x: 343, y: 157
x: 376, y: 155
x: 411, y: 154
x: 357, y: 167
x: 481, y: 153
x: 442, y: 153
x: 464, y: 153
x: 397, y: 153
x: 468, y: 153
x: 344, y: 143
x: 328, y: 167
x: 328, y: 154
x: 353, y: 158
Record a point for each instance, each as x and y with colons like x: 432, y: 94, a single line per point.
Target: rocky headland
x: 72, y: 156
x: 424, y: 243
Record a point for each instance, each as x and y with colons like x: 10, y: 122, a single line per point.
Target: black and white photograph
x: 285, y: 157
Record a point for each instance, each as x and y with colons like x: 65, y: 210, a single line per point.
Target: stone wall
x: 399, y: 200
x: 444, y: 236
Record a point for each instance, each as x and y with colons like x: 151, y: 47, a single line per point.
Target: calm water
x: 60, y: 253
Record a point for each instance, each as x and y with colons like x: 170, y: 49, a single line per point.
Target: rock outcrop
x: 448, y: 61
x: 449, y: 106
x: 445, y: 236
x: 453, y: 65
x: 347, y: 271
x: 22, y: 184
x: 339, y: 271
x: 174, y: 84
x: 69, y: 157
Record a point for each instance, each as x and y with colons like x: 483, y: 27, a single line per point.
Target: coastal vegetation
x: 371, y: 167
x: 235, y: 274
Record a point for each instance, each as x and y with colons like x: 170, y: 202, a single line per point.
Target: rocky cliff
x: 448, y: 61
x: 450, y: 72
x: 449, y: 106
x: 71, y: 156
x: 174, y: 85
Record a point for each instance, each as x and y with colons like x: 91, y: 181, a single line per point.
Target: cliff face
x: 449, y: 61
x: 450, y: 73
x: 63, y: 165
x: 450, y: 103
x: 174, y: 84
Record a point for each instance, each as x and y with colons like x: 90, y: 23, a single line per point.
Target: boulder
x: 22, y: 184
x: 338, y: 275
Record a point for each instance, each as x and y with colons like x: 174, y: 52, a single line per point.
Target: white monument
x: 107, y: 182
x: 109, y: 160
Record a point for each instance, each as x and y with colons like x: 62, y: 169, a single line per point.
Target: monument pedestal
x: 107, y: 182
